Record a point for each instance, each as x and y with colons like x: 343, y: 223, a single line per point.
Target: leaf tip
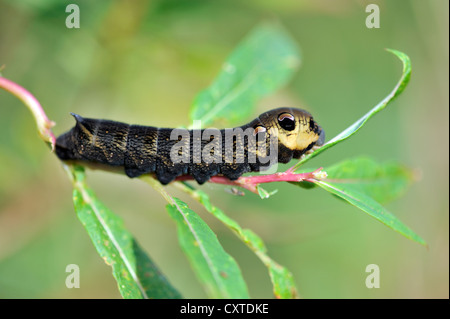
x: 404, y: 58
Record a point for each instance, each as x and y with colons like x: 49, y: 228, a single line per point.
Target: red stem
x: 251, y: 182
x: 43, y: 123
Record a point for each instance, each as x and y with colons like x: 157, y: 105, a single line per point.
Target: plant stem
x: 43, y: 123
x: 251, y: 182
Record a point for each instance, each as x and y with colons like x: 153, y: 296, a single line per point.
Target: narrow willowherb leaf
x: 44, y: 125
x: 264, y: 61
x: 401, y: 85
x: 370, y: 206
x: 282, y: 280
x: 136, y: 275
x: 216, y: 269
x: 383, y: 182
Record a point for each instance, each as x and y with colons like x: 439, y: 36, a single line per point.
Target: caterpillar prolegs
x: 275, y: 136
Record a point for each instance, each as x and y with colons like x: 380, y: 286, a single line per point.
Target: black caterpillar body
x: 144, y: 149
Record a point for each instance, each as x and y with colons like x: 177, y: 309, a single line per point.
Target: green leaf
x: 264, y: 194
x: 282, y: 280
x: 401, y: 85
x: 382, y: 182
x: 370, y: 206
x: 135, y: 273
x: 260, y: 65
x: 216, y: 269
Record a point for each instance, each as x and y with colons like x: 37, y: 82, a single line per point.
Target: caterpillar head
x: 296, y: 130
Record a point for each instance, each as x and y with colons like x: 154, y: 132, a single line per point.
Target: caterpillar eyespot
x: 275, y: 136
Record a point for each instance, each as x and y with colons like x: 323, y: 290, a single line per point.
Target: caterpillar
x: 275, y: 136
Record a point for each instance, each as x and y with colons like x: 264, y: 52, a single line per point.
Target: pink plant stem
x: 251, y: 182
x: 277, y: 177
x: 43, y: 123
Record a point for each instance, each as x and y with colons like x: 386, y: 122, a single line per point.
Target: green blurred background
x: 144, y: 61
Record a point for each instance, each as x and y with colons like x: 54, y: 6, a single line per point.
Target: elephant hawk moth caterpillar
x: 275, y: 136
